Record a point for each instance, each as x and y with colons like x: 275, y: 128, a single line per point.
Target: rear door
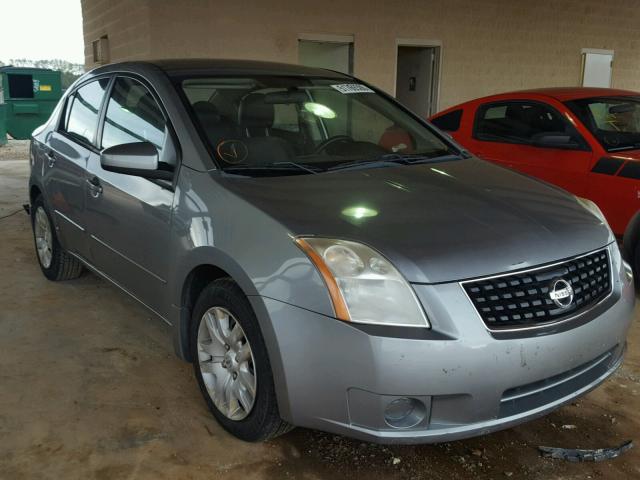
x: 68, y: 150
x: 506, y: 132
x: 129, y: 216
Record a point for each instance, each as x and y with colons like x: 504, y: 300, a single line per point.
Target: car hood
x: 436, y: 222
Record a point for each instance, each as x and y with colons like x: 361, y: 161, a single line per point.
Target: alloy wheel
x: 44, y: 239
x: 226, y: 363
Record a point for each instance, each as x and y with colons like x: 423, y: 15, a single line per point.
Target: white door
x: 416, y: 79
x: 596, y: 70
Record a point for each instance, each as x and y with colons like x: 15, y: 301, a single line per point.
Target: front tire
x: 231, y: 364
x: 56, y: 263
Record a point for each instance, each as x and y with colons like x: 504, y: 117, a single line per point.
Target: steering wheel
x: 333, y: 141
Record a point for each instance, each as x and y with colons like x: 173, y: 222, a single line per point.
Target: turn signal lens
x: 339, y: 305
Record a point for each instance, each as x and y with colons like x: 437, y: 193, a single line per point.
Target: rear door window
x: 83, y: 108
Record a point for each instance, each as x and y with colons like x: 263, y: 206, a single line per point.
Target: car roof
x: 566, y: 93
x: 561, y: 94
x: 572, y: 93
x: 176, y: 67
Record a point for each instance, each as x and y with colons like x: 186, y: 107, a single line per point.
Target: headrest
x: 147, y: 108
x: 206, y: 112
x: 514, y: 112
x: 254, y: 112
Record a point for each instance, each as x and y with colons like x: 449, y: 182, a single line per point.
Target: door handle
x: 52, y: 158
x: 94, y: 186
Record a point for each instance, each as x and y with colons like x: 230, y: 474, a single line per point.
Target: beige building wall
x: 488, y: 46
x: 125, y: 23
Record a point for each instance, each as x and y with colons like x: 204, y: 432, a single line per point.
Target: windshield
x: 266, y: 125
x: 614, y: 121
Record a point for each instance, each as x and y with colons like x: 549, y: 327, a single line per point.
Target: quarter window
x: 132, y: 116
x: 449, y: 122
x: 83, y: 108
x: 520, y: 122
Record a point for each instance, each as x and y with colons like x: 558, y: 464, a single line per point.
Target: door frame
x: 437, y: 75
x: 345, y: 39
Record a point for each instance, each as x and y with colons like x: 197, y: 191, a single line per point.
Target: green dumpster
x: 3, y: 125
x: 30, y: 95
x: 3, y: 128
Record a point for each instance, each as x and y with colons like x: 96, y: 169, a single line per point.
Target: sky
x: 41, y: 30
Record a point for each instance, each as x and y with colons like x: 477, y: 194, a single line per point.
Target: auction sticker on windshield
x: 347, y: 88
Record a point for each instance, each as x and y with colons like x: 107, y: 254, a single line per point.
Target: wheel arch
x: 200, y: 267
x: 204, y: 266
x: 197, y: 279
x: 34, y: 191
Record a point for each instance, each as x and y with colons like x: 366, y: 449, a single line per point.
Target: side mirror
x: 138, y: 158
x: 554, y: 140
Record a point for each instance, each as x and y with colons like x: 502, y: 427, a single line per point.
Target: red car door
x: 612, y: 126
x: 532, y: 137
x: 614, y: 185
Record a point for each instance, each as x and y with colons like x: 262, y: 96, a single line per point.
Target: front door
x: 512, y: 133
x: 129, y: 217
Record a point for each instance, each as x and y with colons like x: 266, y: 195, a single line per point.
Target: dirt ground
x: 90, y: 389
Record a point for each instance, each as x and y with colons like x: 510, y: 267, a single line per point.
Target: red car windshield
x: 614, y: 121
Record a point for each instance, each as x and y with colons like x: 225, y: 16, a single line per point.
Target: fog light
x: 404, y: 413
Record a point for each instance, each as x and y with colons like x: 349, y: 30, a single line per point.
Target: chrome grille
x: 524, y: 299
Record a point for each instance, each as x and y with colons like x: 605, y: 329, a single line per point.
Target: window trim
x: 61, y: 128
x: 156, y: 98
x: 169, y: 125
x: 481, y: 110
x: 456, y: 111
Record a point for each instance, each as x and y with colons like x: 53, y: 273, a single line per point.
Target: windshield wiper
x: 635, y: 146
x: 278, y: 166
x: 393, y: 159
x: 301, y: 166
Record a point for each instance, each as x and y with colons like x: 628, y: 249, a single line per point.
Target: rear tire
x: 56, y: 263
x: 227, y: 344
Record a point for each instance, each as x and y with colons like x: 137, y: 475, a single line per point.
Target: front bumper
x: 333, y: 376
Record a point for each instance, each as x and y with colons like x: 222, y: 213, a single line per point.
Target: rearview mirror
x: 622, y: 108
x: 554, y: 140
x: 288, y: 97
x: 138, y: 158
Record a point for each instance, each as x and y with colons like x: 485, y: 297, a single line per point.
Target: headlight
x: 364, y: 286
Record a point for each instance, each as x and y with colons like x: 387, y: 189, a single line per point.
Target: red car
x: 585, y: 140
